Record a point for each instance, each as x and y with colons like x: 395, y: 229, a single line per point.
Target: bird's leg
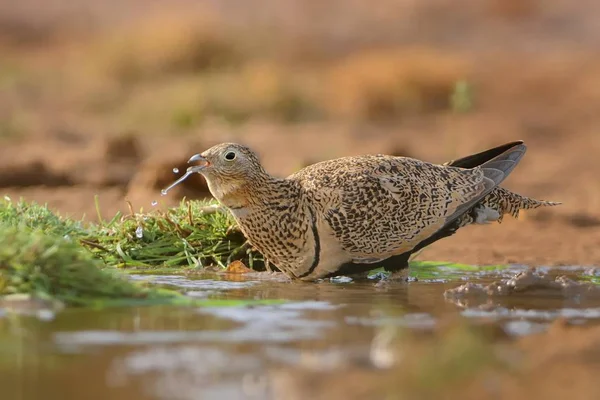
x: 399, y: 276
x: 268, y: 265
x: 359, y: 276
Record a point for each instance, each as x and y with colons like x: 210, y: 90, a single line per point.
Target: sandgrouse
x: 353, y: 214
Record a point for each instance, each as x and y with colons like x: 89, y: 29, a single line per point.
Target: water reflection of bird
x: 353, y: 214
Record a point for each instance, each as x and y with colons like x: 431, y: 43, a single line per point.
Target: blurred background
x: 106, y: 97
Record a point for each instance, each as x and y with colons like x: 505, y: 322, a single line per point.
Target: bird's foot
x: 358, y: 276
x: 399, y: 276
x: 395, y: 276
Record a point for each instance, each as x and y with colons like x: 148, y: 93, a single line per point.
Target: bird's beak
x: 198, y: 158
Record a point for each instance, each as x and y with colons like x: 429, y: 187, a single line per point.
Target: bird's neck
x: 255, y: 193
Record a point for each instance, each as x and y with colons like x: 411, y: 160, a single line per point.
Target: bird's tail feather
x: 503, y: 201
x: 495, y: 170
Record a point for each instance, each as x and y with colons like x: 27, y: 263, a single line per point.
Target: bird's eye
x: 230, y: 156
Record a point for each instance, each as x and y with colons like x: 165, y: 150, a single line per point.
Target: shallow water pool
x: 260, y: 351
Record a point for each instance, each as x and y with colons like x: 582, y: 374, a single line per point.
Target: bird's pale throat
x: 232, y: 194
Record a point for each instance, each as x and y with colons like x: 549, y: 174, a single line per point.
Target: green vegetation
x: 426, y: 270
x: 49, y: 257
x: 31, y: 217
x: 445, y: 270
x: 461, y: 98
x: 49, y: 266
x: 193, y: 234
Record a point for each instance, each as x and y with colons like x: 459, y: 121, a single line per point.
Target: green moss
x: 33, y: 216
x: 49, y: 266
x: 427, y: 270
x: 54, y: 258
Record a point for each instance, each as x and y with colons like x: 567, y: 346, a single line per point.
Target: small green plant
x: 461, y: 98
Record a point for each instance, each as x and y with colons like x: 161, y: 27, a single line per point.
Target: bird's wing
x: 380, y: 206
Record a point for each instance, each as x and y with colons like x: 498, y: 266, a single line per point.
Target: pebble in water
x: 139, y: 232
x: 175, y: 170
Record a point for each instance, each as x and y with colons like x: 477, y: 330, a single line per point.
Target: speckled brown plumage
x: 377, y: 206
x: 358, y: 211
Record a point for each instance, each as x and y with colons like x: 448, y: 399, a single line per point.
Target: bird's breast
x: 287, y: 236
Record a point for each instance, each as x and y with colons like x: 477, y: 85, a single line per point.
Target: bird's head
x: 227, y: 168
x: 227, y: 161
